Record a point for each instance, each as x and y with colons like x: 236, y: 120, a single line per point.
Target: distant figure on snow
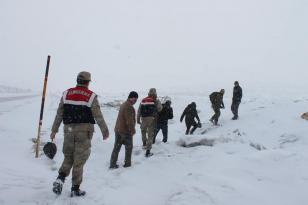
x: 162, y: 120
x: 216, y: 99
x: 236, y: 99
x: 190, y: 113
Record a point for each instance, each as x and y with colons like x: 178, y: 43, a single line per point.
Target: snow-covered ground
x: 259, y: 159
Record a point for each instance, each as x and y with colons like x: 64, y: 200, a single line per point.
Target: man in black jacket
x: 236, y: 100
x: 162, y: 120
x: 216, y: 99
x: 190, y: 113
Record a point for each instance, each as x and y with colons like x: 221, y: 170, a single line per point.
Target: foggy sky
x: 139, y: 44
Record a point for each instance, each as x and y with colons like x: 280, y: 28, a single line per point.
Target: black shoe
x: 148, y: 153
x: 114, y: 166
x: 78, y: 193
x: 234, y: 118
x: 164, y: 141
x: 127, y: 165
x: 57, y: 186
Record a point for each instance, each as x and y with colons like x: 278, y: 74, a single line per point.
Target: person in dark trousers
x: 190, y: 113
x: 124, y: 131
x: 162, y: 120
x: 216, y: 99
x: 236, y: 99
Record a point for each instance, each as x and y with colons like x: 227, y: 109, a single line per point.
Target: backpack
x: 212, y: 98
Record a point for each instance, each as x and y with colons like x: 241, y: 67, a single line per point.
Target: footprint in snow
x: 192, y: 195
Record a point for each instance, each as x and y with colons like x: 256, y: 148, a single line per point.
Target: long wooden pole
x: 42, y: 110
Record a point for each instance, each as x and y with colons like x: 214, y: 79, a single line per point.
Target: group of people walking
x: 216, y: 98
x: 79, y: 110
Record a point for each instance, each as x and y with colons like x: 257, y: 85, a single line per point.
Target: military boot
x: 75, y: 191
x: 58, y: 184
x: 114, y: 166
x: 148, y: 153
x: 126, y: 165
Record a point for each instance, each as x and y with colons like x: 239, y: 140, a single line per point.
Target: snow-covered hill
x: 259, y: 159
x: 9, y: 89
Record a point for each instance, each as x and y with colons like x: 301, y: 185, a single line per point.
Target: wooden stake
x: 42, y: 110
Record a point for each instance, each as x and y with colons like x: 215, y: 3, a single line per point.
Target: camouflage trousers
x: 121, y: 139
x: 76, y: 150
x: 148, y: 131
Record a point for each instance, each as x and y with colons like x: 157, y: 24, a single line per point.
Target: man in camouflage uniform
x: 216, y: 99
x: 147, y: 116
x: 79, y: 109
x: 124, y: 131
x: 236, y: 99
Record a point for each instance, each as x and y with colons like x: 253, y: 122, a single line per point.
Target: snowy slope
x: 260, y: 159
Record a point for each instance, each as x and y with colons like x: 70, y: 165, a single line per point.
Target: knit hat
x: 133, y: 94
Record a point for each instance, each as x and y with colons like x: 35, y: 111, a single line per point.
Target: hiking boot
x: 115, y: 166
x: 148, y: 153
x: 57, y: 186
x: 77, y: 192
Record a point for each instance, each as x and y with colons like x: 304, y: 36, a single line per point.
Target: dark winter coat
x: 165, y: 114
x: 190, y: 113
x: 216, y: 99
x: 237, y: 94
